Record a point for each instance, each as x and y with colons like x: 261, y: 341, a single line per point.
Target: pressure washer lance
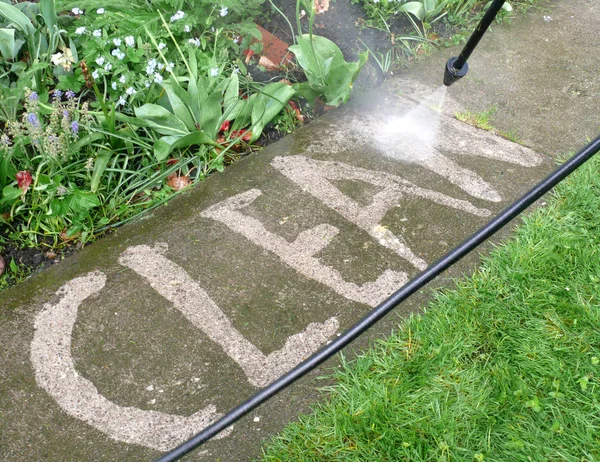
x: 457, y: 67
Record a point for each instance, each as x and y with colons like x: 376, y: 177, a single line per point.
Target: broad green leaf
x: 177, y: 104
x: 244, y: 116
x: 234, y: 112
x: 165, y: 145
x: 161, y: 120
x: 307, y: 92
x: 17, y: 18
x: 232, y: 92
x: 341, y: 79
x: 271, y: 100
x: 414, y: 8
x: 100, y: 164
x: 7, y: 44
x: 194, y: 97
x: 312, y: 64
x: 211, y: 114
x: 48, y: 12
x: 10, y: 194
x: 73, y: 50
x: 429, y: 5
x: 83, y: 200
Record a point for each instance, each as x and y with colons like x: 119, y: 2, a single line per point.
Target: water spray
x: 457, y: 67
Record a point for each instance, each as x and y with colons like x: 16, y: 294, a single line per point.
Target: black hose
x: 384, y: 308
x: 476, y: 36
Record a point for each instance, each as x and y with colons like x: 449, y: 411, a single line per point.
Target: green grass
x: 477, y: 119
x: 504, y: 367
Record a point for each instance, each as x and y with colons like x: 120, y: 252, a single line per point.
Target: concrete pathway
x: 136, y: 343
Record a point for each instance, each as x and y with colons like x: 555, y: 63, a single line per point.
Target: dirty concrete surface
x: 133, y: 345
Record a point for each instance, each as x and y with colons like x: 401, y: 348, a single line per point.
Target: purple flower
x: 33, y: 96
x: 70, y: 94
x: 65, y: 114
x: 57, y: 94
x: 33, y: 120
x: 74, y: 127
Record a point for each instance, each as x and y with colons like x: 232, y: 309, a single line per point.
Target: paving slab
x: 136, y: 343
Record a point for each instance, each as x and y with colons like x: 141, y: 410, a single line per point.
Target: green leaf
x: 7, y: 44
x: 244, y: 115
x: 211, y: 114
x: 232, y: 93
x: 161, y: 120
x: 271, y: 100
x: 10, y: 194
x: 14, y: 16
x: 414, y: 8
x: 165, y: 145
x: 339, y: 82
x: 178, y: 105
x: 194, y: 100
x: 48, y: 12
x: 84, y: 200
x: 100, y: 164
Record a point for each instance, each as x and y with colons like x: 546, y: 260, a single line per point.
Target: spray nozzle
x: 452, y: 74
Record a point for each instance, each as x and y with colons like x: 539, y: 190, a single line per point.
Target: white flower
x: 236, y: 70
x: 100, y: 11
x: 214, y: 72
x: 160, y: 66
x: 114, y: 85
x: 95, y: 74
x: 77, y: 11
x: 100, y: 60
x: 547, y: 18
x: 108, y: 67
x: 64, y: 60
x: 130, y: 41
x: 187, y: 28
x: 147, y: 84
x: 97, y: 33
x: 122, y: 79
x: 169, y: 67
x: 151, y: 66
x: 194, y: 41
x: 121, y: 101
x: 80, y: 30
x: 223, y: 11
x: 117, y: 54
x: 130, y: 91
x: 158, y: 78
x: 117, y: 42
x: 180, y: 14
x: 161, y: 46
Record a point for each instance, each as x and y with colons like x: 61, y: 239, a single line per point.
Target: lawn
x: 503, y: 367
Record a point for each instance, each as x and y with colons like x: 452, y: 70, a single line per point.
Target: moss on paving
x: 505, y: 367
